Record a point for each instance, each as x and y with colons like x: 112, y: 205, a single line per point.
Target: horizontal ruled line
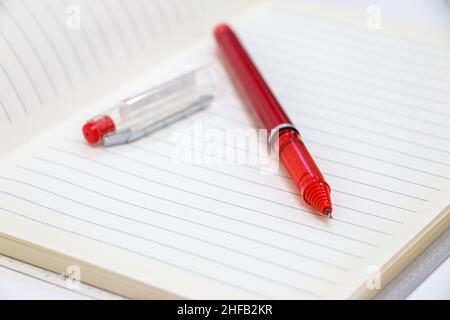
x: 370, y: 45
x: 357, y: 116
x: 198, y: 209
x: 361, y: 168
x: 183, y: 219
x: 132, y: 251
x: 187, y: 252
x: 365, y: 105
x: 5, y: 111
x: 175, y: 232
x: 333, y: 133
x: 349, y: 63
x: 341, y: 149
x: 282, y: 73
x: 209, y: 198
x: 16, y: 91
x: 262, y: 184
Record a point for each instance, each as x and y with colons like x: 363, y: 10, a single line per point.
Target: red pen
x: 292, y: 151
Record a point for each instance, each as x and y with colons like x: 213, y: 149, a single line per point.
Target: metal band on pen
x: 144, y: 113
x: 275, y: 132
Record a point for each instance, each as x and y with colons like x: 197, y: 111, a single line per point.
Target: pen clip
x: 128, y: 135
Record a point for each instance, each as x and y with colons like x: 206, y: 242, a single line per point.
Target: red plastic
x: 95, y: 130
x: 293, y: 153
x: 249, y: 81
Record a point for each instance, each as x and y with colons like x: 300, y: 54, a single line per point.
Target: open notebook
x: 372, y: 106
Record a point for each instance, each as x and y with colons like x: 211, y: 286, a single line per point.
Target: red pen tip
x: 317, y: 194
x: 95, y: 130
x: 221, y: 29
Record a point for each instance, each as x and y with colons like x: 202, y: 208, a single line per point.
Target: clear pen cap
x: 144, y: 113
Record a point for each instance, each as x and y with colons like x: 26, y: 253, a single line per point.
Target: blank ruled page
x: 373, y: 109
x: 56, y: 55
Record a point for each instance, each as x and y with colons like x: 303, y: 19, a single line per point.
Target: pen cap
x: 156, y: 108
x: 172, y: 94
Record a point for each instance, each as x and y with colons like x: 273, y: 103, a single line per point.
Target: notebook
x: 372, y: 105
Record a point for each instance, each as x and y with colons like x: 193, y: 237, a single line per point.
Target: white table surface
x: 436, y: 286
x: 15, y: 285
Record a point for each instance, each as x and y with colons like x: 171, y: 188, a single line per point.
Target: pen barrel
x: 146, y: 112
x: 249, y: 80
x: 303, y: 170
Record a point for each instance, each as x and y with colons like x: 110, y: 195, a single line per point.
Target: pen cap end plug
x: 220, y: 29
x: 94, y: 130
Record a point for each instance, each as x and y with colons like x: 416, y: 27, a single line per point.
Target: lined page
x: 373, y: 111
x: 58, y: 55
